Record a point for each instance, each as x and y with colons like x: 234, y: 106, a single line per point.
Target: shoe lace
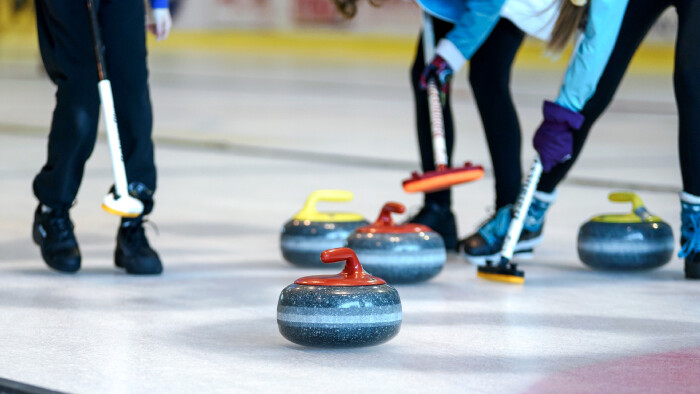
x: 491, y: 214
x: 691, y: 233
x: 135, y: 234
x: 535, y: 214
x: 497, y: 225
x: 61, y: 225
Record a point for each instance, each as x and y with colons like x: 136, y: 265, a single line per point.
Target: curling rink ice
x: 240, y: 142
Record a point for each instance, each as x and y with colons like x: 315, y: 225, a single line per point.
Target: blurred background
x: 283, y: 73
x: 292, y: 79
x: 217, y: 24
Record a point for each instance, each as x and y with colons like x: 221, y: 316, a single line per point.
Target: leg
x: 687, y: 88
x: 124, y: 36
x: 66, y: 49
x: 490, y: 71
x: 489, y: 76
x: 436, y: 212
x: 420, y: 97
x: 686, y: 82
x: 639, y: 17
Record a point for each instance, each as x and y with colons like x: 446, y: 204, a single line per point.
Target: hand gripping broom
x: 443, y: 177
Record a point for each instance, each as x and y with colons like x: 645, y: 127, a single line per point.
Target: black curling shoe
x: 133, y: 252
x: 441, y: 219
x: 53, y: 232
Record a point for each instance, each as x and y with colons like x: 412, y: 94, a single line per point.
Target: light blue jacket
x: 475, y: 19
x: 592, y: 53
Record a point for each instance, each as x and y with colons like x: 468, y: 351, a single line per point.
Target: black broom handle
x: 97, y: 41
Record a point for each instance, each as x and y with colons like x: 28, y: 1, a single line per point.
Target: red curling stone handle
x: 384, y: 218
x: 352, y: 269
x: 351, y: 275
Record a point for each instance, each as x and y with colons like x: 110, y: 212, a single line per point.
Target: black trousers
x: 639, y: 18
x: 489, y: 77
x: 66, y: 46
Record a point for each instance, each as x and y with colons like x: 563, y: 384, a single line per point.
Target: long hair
x: 349, y: 7
x: 570, y: 16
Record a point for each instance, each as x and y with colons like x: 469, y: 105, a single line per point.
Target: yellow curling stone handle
x: 639, y: 212
x: 309, y: 212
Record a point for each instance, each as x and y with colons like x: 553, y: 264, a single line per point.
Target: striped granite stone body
x: 625, y: 246
x: 400, y: 257
x: 302, y: 241
x: 339, y: 316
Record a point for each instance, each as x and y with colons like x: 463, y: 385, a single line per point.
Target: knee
x: 78, y: 109
x: 476, y: 81
x: 687, y: 85
x: 487, y: 83
x: 78, y: 92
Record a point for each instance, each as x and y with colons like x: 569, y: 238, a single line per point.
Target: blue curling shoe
x: 486, y: 244
x: 690, y: 234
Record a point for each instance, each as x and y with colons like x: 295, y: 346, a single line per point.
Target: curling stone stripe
x: 340, y: 320
x: 338, y: 327
x: 380, y: 258
x: 622, y: 247
x: 393, y: 247
x: 339, y: 310
x: 304, y: 243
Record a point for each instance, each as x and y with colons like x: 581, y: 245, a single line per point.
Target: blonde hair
x: 349, y: 7
x: 570, y: 16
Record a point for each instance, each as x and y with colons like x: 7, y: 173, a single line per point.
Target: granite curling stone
x: 350, y: 309
x: 407, y: 253
x: 310, y: 232
x: 625, y: 242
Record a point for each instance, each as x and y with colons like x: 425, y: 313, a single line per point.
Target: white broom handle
x: 521, y: 208
x: 437, y: 127
x: 428, y: 38
x: 115, y: 148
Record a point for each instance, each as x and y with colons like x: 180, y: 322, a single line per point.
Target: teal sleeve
x: 592, y: 53
x: 474, y: 25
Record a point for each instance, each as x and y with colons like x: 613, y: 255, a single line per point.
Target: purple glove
x: 442, y: 72
x: 554, y: 140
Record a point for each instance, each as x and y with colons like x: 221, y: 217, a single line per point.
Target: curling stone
x: 310, y: 232
x: 625, y: 242
x: 352, y: 308
x: 407, y: 253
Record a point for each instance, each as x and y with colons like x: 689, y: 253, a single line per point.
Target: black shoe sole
x: 65, y: 268
x: 151, y: 266
x: 523, y: 250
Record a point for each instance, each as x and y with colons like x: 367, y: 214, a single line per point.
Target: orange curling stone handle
x: 352, y: 275
x: 384, y: 223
